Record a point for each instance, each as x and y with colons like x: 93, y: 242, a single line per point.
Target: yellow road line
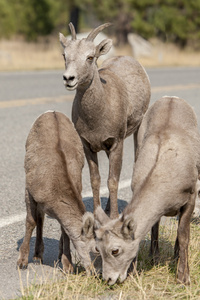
x: 37, y: 101
x: 158, y: 89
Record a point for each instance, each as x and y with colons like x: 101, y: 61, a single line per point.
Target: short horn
x: 96, y: 31
x: 73, y: 32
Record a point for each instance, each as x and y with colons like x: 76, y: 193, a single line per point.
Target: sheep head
x: 81, y: 55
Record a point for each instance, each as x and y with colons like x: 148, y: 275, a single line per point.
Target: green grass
x: 150, y: 282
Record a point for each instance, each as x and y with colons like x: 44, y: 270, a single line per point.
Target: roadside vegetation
x: 169, y: 20
x: 18, y: 55
x: 29, y: 29
x: 149, y: 282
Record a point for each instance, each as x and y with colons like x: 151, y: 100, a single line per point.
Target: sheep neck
x: 90, y: 98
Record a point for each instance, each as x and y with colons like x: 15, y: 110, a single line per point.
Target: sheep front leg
x: 182, y: 242
x: 115, y: 165
x: 135, y: 140
x: 94, y: 176
x: 154, y: 249
x: 64, y: 252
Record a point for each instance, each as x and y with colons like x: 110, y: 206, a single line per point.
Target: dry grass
x: 150, y: 282
x: 16, y: 54
x: 163, y: 54
x: 170, y: 55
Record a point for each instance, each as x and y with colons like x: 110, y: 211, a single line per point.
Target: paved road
x: 25, y: 95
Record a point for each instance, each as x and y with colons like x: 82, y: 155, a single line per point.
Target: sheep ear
x: 63, y: 40
x: 88, y: 225
x: 100, y: 217
x: 103, y: 47
x: 128, y: 228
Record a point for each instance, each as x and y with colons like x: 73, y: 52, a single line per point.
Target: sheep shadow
x: 166, y: 256
x: 195, y: 220
x: 167, y: 237
x: 51, y: 248
x: 88, y: 201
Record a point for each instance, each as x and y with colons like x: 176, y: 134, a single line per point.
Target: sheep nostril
x: 68, y: 78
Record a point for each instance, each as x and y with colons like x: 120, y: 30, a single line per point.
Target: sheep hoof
x: 21, y: 266
x: 37, y: 261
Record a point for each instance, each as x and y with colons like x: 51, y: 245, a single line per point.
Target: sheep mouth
x: 71, y: 87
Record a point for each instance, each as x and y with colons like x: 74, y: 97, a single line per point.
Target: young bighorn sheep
x: 163, y: 184
x: 53, y: 164
x: 108, y: 106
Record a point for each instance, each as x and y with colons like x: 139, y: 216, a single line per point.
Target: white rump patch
x: 170, y: 97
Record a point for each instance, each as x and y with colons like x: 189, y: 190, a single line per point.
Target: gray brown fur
x: 108, y: 106
x: 163, y: 184
x: 53, y: 164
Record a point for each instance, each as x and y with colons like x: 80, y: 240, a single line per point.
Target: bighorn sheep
x: 108, y: 106
x: 163, y: 184
x: 53, y: 164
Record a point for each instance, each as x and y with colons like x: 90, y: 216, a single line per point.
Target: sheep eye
x: 115, y: 252
x: 90, y: 58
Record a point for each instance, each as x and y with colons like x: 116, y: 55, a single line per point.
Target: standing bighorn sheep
x: 53, y: 164
x: 108, y: 106
x: 163, y: 184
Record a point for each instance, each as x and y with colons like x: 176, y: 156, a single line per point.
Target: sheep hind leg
x: 31, y: 205
x: 39, y: 245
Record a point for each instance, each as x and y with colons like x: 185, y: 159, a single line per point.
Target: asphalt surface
x: 24, y: 96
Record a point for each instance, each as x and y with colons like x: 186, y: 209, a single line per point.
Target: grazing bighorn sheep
x: 108, y: 106
x: 53, y: 164
x: 163, y: 184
